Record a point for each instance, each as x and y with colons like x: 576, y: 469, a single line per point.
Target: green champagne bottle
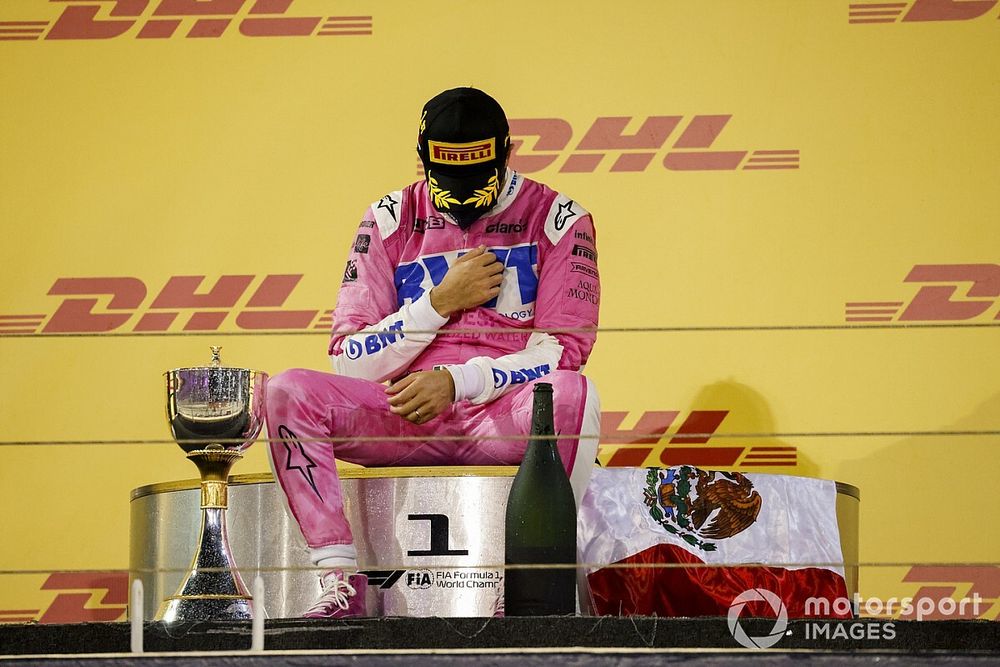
x: 540, y: 524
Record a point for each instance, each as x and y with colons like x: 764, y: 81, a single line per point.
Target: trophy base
x: 206, y: 608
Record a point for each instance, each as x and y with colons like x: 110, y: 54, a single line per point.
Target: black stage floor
x: 584, y: 641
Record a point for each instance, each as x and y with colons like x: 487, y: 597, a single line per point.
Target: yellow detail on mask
x: 486, y: 196
x: 443, y: 199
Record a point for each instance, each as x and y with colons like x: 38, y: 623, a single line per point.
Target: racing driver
x: 461, y: 291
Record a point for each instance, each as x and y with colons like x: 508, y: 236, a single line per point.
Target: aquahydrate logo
x: 164, y: 19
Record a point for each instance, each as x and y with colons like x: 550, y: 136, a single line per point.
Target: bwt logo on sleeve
x: 502, y: 378
x: 160, y: 19
x: 679, y: 143
x: 373, y: 343
x: 517, y: 292
x: 949, y: 293
x: 880, y: 11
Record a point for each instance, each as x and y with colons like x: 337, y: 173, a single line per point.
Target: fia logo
x: 419, y: 579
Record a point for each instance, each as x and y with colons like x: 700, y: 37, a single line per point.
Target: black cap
x: 463, y: 142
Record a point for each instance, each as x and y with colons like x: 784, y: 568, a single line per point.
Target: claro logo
x: 103, y: 305
x: 878, y: 11
x: 629, y: 144
x: 948, y: 293
x: 162, y: 19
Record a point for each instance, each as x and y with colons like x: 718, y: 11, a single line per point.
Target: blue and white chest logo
x: 517, y: 292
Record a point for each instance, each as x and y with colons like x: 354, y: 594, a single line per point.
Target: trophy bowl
x: 215, y: 405
x: 214, y: 412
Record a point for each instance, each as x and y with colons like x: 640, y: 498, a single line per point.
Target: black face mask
x: 459, y: 197
x: 466, y: 216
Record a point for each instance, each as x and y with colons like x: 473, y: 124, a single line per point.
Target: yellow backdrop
x: 787, y: 194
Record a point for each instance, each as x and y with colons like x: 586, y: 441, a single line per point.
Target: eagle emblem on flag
x: 700, y: 506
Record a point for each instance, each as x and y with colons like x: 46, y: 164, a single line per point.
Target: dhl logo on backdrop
x: 255, y: 303
x: 160, y: 19
x: 124, y: 306
x: 94, y: 597
x: 880, y: 11
x: 82, y: 597
x: 677, y: 143
x: 935, y: 302
x: 642, y: 446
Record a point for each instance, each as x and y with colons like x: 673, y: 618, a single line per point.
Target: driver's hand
x: 420, y: 397
x: 471, y: 281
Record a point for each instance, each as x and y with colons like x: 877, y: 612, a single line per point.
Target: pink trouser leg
x: 304, y: 410
x: 310, y: 414
x: 510, y: 415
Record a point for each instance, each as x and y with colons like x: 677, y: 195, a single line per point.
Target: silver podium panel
x: 422, y: 534
x: 430, y: 539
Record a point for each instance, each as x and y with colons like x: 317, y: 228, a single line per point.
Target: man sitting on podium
x: 450, y: 288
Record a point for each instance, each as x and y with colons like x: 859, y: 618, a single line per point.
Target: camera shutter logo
x: 757, y: 595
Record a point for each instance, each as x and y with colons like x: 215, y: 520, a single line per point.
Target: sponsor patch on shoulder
x: 387, y: 212
x: 361, y: 243
x: 562, y: 215
x: 351, y: 271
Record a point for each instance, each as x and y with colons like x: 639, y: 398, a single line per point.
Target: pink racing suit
x: 385, y: 327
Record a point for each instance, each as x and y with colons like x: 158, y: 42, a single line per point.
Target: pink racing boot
x: 342, y: 597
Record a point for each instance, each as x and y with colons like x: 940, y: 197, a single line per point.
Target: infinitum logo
x: 879, y: 11
x: 161, y: 19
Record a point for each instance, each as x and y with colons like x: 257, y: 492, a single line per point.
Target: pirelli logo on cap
x: 473, y: 152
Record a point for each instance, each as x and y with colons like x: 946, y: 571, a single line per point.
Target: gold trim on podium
x: 343, y: 473
x: 379, y: 473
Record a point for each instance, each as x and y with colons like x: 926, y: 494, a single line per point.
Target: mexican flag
x: 717, y: 533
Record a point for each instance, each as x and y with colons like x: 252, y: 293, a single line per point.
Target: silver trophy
x: 214, y: 413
